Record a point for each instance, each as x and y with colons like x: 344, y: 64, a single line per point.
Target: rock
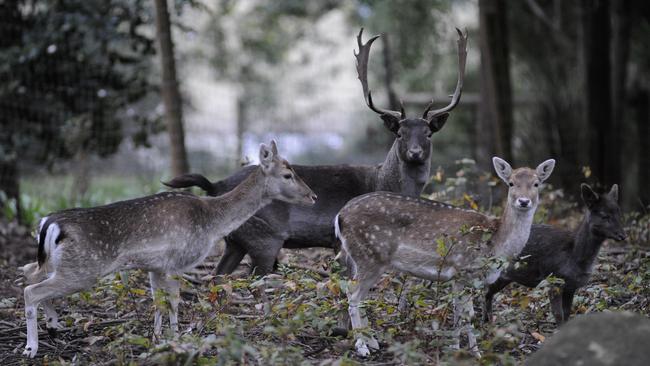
x: 598, y: 339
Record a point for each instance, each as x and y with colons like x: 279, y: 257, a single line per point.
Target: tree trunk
x: 620, y: 22
x: 393, y: 103
x: 170, y: 91
x: 9, y: 185
x: 598, y: 111
x: 494, y: 123
x: 640, y: 104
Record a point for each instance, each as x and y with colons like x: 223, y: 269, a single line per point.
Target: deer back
x: 123, y: 223
x: 388, y: 228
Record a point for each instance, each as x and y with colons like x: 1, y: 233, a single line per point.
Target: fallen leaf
x: 538, y: 336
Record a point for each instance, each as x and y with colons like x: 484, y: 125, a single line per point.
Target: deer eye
x: 536, y: 184
x: 604, y: 216
x: 287, y: 176
x: 511, y: 184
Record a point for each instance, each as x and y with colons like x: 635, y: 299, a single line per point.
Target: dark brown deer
x: 165, y: 234
x: 405, y: 170
x: 384, y: 231
x: 564, y: 254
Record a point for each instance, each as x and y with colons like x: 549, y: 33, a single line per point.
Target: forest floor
x: 222, y: 322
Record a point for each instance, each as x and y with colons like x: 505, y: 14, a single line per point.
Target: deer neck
x: 513, y: 233
x: 586, y: 245
x: 232, y: 209
x: 396, y: 175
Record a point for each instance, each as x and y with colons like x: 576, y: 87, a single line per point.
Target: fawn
x: 165, y: 234
x: 565, y: 254
x: 382, y: 231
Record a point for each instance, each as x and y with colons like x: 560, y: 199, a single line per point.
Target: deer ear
x: 613, y: 193
x: 391, y: 122
x: 545, y: 169
x: 589, y: 197
x: 266, y: 157
x: 503, y: 169
x: 274, y: 147
x: 436, y: 122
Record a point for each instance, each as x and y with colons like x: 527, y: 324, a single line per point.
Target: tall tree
x: 620, y: 49
x: 494, y: 122
x: 252, y: 40
x: 598, y: 88
x: 68, y: 71
x: 555, y: 83
x: 170, y: 90
x: 640, y: 99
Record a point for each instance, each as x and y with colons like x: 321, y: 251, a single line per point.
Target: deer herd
x: 373, y: 215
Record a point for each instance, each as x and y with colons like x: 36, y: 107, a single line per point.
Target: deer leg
x: 51, y: 318
x: 463, y: 315
x: 402, y: 302
x: 263, y: 253
x: 357, y: 292
x: 56, y: 286
x: 469, y: 329
x: 567, y: 302
x: 493, y: 289
x: 232, y: 256
x: 456, y: 303
x: 555, y: 295
x: 172, y: 287
x: 157, y: 282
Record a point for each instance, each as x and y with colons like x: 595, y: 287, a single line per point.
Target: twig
x: 316, y: 351
x: 309, y: 269
x: 192, y: 279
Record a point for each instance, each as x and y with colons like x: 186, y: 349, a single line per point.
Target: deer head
x: 412, y: 134
x: 605, y: 219
x: 282, y: 183
x: 523, y: 183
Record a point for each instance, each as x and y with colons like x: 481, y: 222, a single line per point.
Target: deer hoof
x: 372, y: 343
x: 362, y: 348
x: 30, y: 351
x: 52, y: 328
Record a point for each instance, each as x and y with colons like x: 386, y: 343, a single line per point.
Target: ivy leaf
x: 441, y: 248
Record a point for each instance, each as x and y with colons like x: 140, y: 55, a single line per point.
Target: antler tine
x: 462, y: 59
x: 362, y: 73
x: 427, y: 109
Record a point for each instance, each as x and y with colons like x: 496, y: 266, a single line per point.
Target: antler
x: 362, y: 72
x: 462, y: 58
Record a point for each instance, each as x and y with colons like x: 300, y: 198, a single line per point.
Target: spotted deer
x: 405, y: 169
x: 569, y: 255
x: 166, y: 234
x: 384, y: 231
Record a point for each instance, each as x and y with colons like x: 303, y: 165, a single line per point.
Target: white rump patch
x: 344, y: 248
x: 53, y: 232
x: 40, y: 227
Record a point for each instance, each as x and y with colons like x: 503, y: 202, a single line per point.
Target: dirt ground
x: 223, y: 320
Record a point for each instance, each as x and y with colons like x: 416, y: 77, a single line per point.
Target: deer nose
x: 313, y: 197
x: 415, y: 153
x: 523, y: 202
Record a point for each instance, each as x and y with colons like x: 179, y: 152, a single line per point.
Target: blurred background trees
x: 81, y: 96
